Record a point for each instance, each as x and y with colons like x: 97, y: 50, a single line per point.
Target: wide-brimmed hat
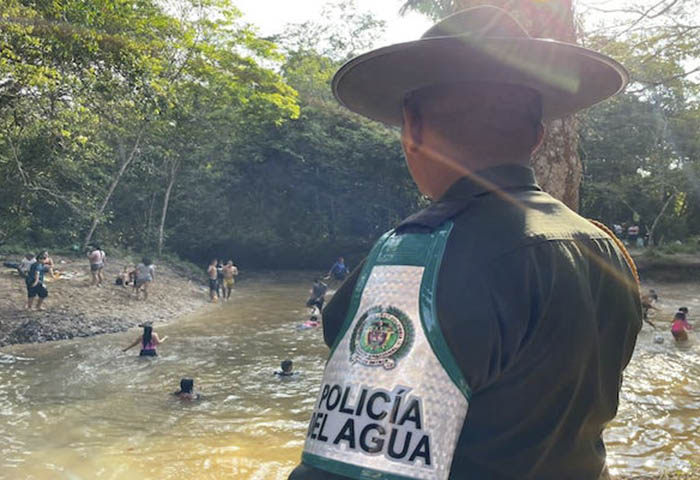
x: 480, y: 44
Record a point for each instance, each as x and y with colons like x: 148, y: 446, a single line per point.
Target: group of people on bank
x: 37, y: 269
x: 631, y: 234
x: 139, y: 277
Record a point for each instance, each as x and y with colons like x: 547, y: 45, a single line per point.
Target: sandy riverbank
x: 74, y: 308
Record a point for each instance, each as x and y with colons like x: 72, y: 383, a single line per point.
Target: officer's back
x: 485, y: 337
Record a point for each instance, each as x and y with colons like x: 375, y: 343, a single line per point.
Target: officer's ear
x: 539, y: 137
x: 412, y: 131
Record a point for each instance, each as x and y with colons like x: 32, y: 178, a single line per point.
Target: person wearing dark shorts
x: 96, y: 256
x: 149, y: 340
x: 35, y: 283
x: 213, y: 274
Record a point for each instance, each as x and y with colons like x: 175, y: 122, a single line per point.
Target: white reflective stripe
x: 403, y: 418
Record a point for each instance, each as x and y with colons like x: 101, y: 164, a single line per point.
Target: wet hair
x: 146, y: 261
x: 147, y: 335
x: 96, y: 246
x: 286, y: 365
x: 41, y: 256
x: 683, y: 309
x: 186, y: 385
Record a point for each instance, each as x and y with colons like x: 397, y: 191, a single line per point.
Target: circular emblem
x: 381, y: 336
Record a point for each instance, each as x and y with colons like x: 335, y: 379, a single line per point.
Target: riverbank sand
x: 74, y: 308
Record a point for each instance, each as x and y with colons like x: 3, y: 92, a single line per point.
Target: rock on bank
x: 74, y: 308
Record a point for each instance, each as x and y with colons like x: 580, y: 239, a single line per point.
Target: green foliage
x: 310, y: 189
x: 92, y: 91
x: 176, y: 125
x: 641, y: 149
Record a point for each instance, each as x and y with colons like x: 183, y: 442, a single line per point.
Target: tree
x: 557, y: 163
x: 91, y: 90
x: 639, y: 151
x: 292, y: 197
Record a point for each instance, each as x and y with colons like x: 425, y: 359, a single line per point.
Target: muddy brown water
x: 81, y: 409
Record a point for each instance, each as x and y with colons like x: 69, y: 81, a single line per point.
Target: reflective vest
x: 393, y: 399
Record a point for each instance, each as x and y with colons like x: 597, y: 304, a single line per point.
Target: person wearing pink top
x: 680, y: 325
x: 149, y: 340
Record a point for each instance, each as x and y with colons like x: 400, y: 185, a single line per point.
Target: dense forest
x: 174, y: 127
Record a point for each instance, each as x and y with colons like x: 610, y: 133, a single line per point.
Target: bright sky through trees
x: 270, y: 16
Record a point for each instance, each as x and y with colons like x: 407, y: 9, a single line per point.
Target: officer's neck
x: 442, y: 170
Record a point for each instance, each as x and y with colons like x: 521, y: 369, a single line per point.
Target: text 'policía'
x: 372, y: 421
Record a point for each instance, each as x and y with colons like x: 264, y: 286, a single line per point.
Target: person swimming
x: 287, y: 367
x: 186, y: 391
x: 680, y: 325
x: 312, y: 322
x: 149, y: 341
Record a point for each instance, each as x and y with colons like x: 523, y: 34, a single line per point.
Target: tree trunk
x: 557, y: 164
x: 652, y: 242
x: 171, y: 181
x: 149, y: 220
x: 125, y: 164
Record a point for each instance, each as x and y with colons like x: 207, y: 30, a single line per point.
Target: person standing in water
x: 680, y: 326
x: 339, y: 270
x: 212, y: 274
x: 229, y: 272
x: 648, y: 301
x: 149, y: 340
x: 485, y: 336
x: 318, y: 295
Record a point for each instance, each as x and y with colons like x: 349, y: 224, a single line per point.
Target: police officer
x: 484, y: 337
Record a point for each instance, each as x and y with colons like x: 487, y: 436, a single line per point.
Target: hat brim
x: 568, y: 77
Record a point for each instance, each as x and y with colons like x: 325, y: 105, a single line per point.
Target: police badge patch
x: 381, y: 337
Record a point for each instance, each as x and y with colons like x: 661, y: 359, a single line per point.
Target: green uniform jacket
x: 541, y: 312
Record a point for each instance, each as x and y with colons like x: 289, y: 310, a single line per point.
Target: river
x: 82, y: 409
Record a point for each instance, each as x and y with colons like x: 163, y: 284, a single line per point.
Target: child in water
x: 680, y: 325
x: 186, y: 391
x: 287, y: 369
x: 312, y: 322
